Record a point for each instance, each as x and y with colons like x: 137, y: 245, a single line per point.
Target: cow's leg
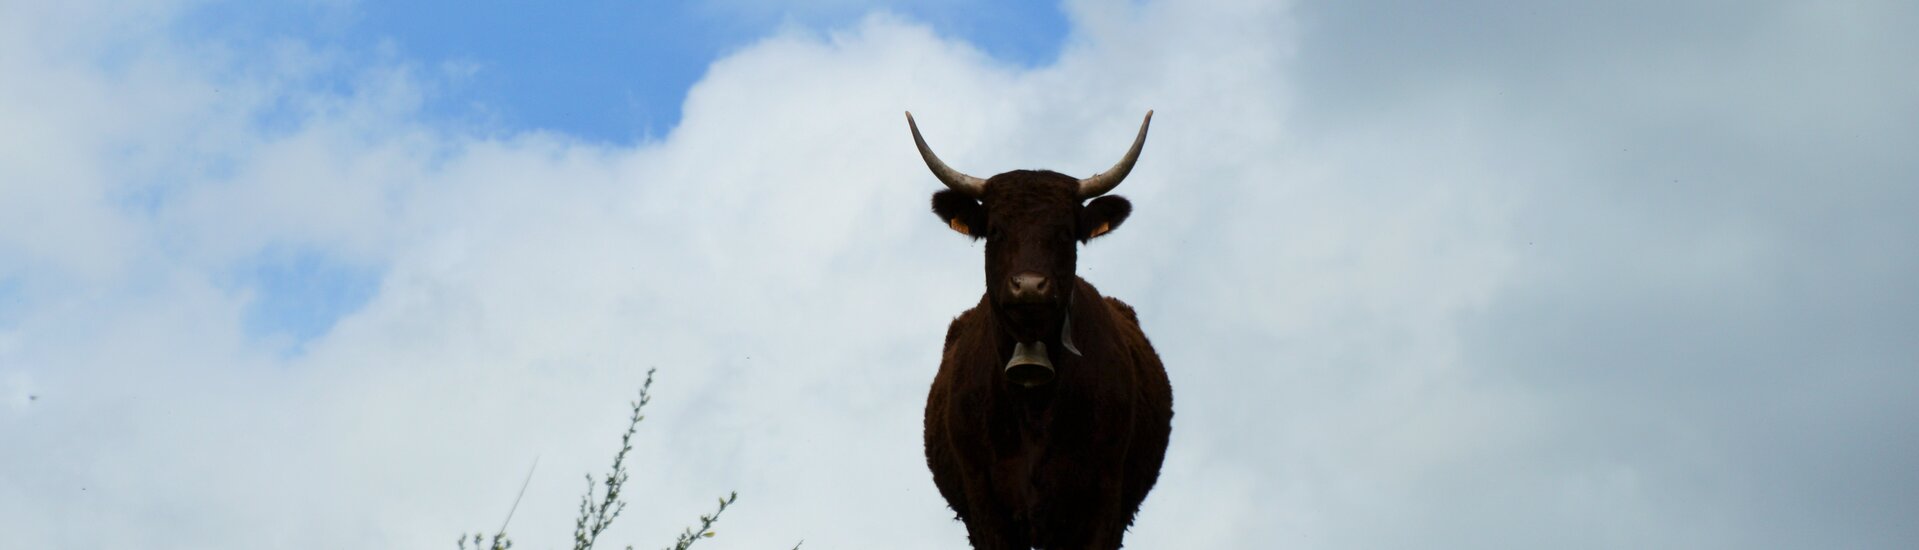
x: 1107, y: 534
x: 1081, y: 508
x: 989, y: 518
x: 993, y: 538
x: 990, y: 524
x: 1086, y: 509
x: 1100, y: 524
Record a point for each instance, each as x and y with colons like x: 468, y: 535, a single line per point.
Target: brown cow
x: 1049, y: 417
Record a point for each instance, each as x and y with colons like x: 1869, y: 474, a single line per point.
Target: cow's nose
x: 1028, y: 285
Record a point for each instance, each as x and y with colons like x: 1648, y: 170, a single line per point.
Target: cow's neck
x: 1004, y: 330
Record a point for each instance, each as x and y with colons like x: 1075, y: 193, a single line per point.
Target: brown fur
x: 1064, y: 465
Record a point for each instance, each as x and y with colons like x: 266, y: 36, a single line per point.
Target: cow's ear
x: 1102, y: 216
x: 960, y: 212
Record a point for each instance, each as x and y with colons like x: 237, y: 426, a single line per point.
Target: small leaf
x: 708, y: 534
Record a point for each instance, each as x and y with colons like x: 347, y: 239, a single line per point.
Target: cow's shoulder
x: 1129, y: 332
x: 1125, y: 311
x: 967, y: 320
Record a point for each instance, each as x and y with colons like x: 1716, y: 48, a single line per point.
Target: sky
x: 337, y: 274
x: 603, y: 70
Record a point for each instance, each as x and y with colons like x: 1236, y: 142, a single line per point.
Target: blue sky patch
x: 300, y: 293
x: 602, y: 70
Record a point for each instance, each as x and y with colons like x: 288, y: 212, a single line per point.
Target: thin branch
x: 516, y: 498
x: 596, y: 517
x: 691, y: 536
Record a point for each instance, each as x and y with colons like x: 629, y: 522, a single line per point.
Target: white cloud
x: 1407, y: 319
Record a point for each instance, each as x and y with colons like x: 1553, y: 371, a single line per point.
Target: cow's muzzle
x: 1029, y: 288
x: 1030, y: 367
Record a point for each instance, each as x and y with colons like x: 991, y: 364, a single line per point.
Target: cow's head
x: 1031, y: 221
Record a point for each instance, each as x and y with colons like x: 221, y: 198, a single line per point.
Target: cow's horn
x: 957, y: 180
x: 1029, y: 366
x: 1104, y: 182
